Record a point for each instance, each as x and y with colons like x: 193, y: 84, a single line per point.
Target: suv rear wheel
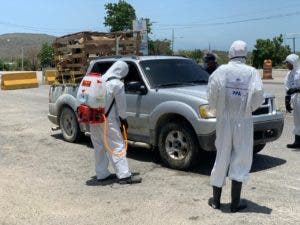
x: 69, y: 125
x: 178, y: 145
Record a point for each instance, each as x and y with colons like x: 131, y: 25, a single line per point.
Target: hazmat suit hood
x: 292, y: 80
x: 238, y: 49
x: 294, y: 60
x: 119, y: 69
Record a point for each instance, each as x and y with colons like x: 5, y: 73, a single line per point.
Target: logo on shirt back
x: 236, y: 93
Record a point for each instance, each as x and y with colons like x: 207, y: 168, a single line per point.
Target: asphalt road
x: 43, y: 178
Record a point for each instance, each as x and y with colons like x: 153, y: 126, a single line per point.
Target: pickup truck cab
x: 166, y: 108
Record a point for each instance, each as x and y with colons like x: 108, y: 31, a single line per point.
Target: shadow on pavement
x: 205, y: 163
x: 206, y: 160
x: 263, y: 162
x: 57, y: 136
x: 202, y: 166
x: 260, y: 162
x: 144, y: 155
x: 252, y: 208
x: 84, y: 140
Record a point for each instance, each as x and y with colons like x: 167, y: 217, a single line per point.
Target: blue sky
x: 196, y: 23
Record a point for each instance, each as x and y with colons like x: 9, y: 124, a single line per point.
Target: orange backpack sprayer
x: 92, y: 96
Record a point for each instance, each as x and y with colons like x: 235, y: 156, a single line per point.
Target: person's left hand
x: 288, y: 106
x: 123, y: 123
x: 292, y: 91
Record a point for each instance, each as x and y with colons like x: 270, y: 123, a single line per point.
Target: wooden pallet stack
x: 73, y: 52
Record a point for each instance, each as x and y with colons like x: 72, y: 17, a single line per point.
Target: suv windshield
x: 174, y: 72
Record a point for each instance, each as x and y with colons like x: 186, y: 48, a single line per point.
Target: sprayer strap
x: 113, y: 102
x: 109, y: 109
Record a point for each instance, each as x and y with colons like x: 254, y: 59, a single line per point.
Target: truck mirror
x: 136, y: 87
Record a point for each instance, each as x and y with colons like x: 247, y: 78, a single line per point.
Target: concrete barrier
x: 19, y: 80
x: 49, y: 76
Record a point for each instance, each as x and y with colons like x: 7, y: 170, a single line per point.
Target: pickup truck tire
x: 177, y: 145
x: 69, y: 125
x: 258, y: 148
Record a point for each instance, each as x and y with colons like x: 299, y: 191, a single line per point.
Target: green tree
x: 160, y: 47
x: 26, y: 64
x: 1, y: 65
x: 269, y: 49
x: 7, y: 66
x: 46, y: 55
x: 195, y: 54
x: 119, y: 16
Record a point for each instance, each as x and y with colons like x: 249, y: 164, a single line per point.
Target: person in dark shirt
x: 210, y: 63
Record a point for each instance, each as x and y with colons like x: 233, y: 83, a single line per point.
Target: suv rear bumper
x: 264, y: 131
x: 53, y: 119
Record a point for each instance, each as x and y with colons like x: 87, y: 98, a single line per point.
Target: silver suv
x: 166, y: 108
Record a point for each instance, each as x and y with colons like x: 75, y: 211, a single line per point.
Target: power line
x: 293, y: 36
x: 25, y: 27
x: 42, y: 29
x: 243, y: 14
x: 179, y: 26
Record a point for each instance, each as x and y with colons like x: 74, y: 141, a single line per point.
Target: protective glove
x: 293, y: 91
x: 288, y: 106
x: 123, y: 123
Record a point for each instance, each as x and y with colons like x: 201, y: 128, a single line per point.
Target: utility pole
x: 294, y: 45
x: 173, y: 40
x: 293, y: 36
x: 22, y: 59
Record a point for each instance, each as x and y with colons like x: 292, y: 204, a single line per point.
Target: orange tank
x: 267, y: 69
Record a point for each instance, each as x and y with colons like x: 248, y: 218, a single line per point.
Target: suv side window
x: 133, y: 75
x: 101, y: 67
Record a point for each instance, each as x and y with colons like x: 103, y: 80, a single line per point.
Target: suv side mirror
x: 136, y: 87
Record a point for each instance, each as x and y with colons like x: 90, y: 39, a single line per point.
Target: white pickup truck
x: 164, y: 97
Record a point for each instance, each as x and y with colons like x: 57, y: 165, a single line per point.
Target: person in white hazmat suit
x: 116, y: 101
x: 234, y: 91
x: 292, y: 98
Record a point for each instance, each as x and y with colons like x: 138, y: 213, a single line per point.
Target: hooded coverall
x: 234, y: 91
x: 115, y: 90
x: 292, y: 80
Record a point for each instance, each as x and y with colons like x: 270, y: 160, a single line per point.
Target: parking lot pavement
x: 43, y: 178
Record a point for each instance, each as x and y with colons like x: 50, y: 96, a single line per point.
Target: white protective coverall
x: 115, y: 90
x: 292, y: 80
x: 234, y: 91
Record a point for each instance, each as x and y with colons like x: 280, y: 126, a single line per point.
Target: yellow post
x: 267, y: 69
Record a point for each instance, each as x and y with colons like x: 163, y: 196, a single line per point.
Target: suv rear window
x: 101, y: 67
x: 174, y: 71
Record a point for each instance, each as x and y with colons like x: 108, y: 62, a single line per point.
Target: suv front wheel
x: 178, y: 145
